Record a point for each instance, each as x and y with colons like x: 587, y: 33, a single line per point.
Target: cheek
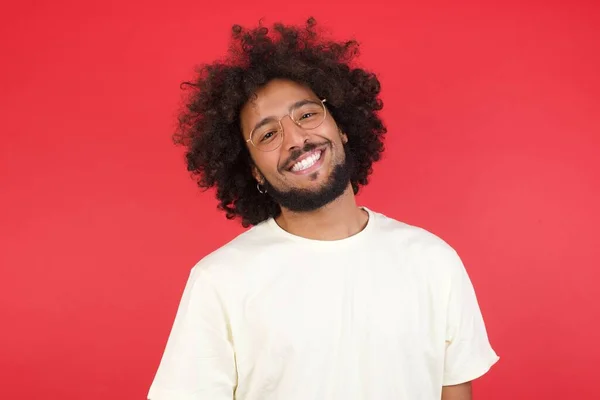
x: 266, y: 162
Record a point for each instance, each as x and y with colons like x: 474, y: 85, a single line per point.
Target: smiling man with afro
x: 320, y: 298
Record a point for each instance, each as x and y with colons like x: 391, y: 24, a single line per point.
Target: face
x: 309, y: 169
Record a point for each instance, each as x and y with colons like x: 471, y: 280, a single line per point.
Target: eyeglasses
x: 307, y: 114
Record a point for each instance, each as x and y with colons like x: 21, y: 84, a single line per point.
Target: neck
x: 337, y: 220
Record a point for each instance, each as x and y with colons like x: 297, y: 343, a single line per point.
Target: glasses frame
x: 282, y: 130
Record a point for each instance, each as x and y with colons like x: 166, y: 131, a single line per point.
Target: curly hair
x: 209, y: 125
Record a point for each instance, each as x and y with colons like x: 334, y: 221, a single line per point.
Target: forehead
x: 272, y: 100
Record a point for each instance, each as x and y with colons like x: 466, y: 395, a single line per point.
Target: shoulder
x: 408, y: 235
x: 231, y: 259
x: 416, y: 244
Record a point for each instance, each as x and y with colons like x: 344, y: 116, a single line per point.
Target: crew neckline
x: 350, y: 239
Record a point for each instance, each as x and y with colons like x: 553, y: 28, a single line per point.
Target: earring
x: 258, y: 187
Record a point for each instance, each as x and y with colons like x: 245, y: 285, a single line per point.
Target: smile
x: 307, y: 162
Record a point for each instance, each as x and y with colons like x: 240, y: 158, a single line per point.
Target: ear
x: 257, y: 175
x: 344, y: 137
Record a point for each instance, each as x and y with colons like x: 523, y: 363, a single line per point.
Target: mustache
x: 297, y: 153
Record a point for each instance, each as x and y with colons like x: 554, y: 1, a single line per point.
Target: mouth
x: 308, y: 163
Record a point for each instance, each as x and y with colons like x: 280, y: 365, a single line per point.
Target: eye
x: 268, y: 136
x: 306, y: 115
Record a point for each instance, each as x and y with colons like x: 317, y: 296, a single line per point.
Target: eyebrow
x: 266, y: 120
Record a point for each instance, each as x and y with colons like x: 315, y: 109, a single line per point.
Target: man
x: 320, y: 299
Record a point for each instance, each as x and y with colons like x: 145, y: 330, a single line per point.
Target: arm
x: 457, y: 392
x: 469, y: 354
x: 198, y: 362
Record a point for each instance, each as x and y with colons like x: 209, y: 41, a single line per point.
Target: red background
x: 493, y: 144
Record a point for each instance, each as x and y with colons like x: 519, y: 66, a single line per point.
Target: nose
x: 293, y: 136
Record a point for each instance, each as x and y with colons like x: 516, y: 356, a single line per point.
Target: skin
x: 457, y: 392
x: 337, y: 220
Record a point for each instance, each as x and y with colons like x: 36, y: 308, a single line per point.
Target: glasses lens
x: 309, y: 115
x: 267, y: 137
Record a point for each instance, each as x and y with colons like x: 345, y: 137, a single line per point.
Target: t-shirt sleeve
x: 469, y: 354
x: 198, y: 362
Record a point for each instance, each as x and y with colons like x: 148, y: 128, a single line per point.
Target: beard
x: 306, y: 200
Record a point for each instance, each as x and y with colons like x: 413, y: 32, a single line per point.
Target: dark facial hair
x: 305, y: 200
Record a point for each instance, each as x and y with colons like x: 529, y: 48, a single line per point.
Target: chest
x: 332, y: 303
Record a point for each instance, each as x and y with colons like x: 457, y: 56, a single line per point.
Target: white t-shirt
x: 389, y: 313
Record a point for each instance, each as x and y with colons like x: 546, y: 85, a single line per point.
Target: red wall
x: 494, y: 143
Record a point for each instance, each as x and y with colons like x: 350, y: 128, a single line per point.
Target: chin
x: 313, y: 190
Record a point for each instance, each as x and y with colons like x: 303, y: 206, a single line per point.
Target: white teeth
x: 307, y: 162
